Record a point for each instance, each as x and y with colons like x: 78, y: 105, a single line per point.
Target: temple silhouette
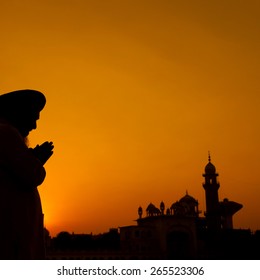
x: 176, y: 232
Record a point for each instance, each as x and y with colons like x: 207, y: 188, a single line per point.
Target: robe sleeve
x: 17, y: 159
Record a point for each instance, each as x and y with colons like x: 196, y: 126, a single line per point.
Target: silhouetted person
x: 21, y: 171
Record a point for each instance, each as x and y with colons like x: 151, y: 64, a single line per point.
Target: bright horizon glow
x: 137, y: 94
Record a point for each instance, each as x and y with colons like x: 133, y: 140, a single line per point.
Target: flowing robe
x: 21, y: 218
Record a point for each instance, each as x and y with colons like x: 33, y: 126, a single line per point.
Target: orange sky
x: 137, y: 93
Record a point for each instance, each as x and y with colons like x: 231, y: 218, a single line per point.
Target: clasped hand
x: 44, y: 151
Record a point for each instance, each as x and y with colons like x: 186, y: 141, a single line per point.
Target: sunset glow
x: 137, y: 94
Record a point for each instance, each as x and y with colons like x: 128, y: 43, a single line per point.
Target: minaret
x: 140, y: 212
x: 211, y: 187
x: 162, y: 208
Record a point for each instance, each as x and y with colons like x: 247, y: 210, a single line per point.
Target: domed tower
x: 162, y: 207
x: 211, y: 187
x: 191, y: 205
x: 140, y: 212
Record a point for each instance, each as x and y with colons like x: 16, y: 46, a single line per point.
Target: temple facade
x: 180, y: 231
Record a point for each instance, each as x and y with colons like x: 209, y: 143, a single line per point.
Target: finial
x: 186, y: 192
x: 209, y: 156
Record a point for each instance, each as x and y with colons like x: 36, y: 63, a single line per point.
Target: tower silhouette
x: 211, y: 186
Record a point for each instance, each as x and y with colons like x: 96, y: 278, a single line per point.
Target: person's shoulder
x: 7, y: 127
x: 8, y: 130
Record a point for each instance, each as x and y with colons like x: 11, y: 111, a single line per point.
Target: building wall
x: 160, y: 237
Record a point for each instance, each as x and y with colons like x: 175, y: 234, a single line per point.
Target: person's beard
x: 26, y: 141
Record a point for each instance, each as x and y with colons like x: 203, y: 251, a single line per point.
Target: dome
x: 210, y: 168
x: 150, y: 207
x: 152, y: 210
x: 188, y: 199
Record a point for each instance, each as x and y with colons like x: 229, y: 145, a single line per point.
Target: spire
x: 210, y: 168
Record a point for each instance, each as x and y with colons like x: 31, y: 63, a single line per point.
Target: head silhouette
x: 22, y: 109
